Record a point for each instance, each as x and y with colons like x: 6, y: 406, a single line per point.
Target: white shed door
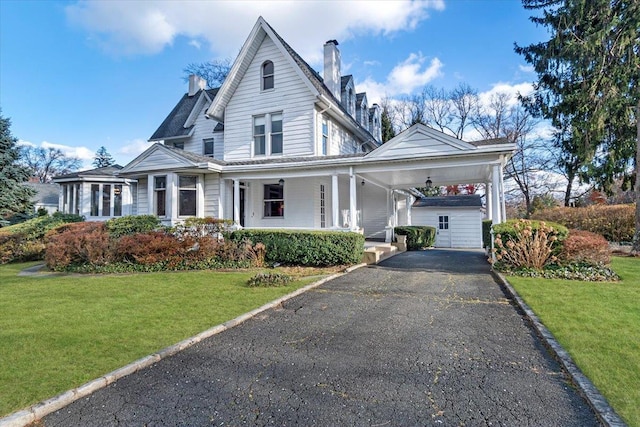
x: 443, y: 231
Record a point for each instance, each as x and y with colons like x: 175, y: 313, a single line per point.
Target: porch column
x: 352, y: 199
x: 150, y: 195
x: 335, y: 202
x: 222, y: 184
x: 488, y: 200
x: 236, y: 202
x: 495, y: 188
x: 74, y: 206
x: 409, y: 203
x: 172, y: 188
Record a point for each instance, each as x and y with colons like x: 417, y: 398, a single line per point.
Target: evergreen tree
x: 589, y: 84
x: 15, y: 196
x: 387, y: 127
x: 103, y: 158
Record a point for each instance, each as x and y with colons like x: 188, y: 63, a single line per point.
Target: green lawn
x: 599, y: 325
x: 59, y: 332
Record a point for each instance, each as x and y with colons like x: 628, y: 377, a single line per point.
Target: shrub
x: 585, y: 247
x: 418, y: 237
x: 25, y: 241
x: 132, y: 224
x: 309, y: 248
x: 486, y: 233
x: 77, y: 244
x: 268, y: 280
x: 525, y: 243
x: 615, y: 222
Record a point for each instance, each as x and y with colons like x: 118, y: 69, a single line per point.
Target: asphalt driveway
x: 425, y: 338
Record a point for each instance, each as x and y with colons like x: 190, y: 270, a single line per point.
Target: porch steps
x: 373, y: 254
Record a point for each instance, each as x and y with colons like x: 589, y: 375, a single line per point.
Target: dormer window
x: 267, y: 75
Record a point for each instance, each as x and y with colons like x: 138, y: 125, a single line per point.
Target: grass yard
x: 599, y: 325
x: 59, y: 332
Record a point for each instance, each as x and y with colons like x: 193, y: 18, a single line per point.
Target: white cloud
x: 371, y: 63
x: 82, y: 153
x: 134, y: 147
x: 512, y: 90
x: 409, y: 75
x: 195, y: 43
x: 526, y: 68
x: 147, y: 27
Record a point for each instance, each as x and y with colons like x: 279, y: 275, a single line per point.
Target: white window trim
x: 267, y: 134
x: 195, y: 190
x: 262, y: 76
x: 264, y: 201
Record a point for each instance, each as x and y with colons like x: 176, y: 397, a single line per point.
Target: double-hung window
x: 273, y: 201
x: 267, y: 135
x: 207, y: 147
x: 187, y: 195
x: 325, y: 136
x: 160, y: 195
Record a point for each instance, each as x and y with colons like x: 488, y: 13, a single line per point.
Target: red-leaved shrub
x: 585, y: 246
x: 76, y: 244
x: 615, y: 222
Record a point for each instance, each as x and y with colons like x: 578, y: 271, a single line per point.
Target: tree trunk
x: 635, y: 250
x: 567, y: 192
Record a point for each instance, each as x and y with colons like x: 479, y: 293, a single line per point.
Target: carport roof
x: 472, y: 200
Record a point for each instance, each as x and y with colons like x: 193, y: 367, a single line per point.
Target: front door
x: 242, y: 202
x: 443, y: 232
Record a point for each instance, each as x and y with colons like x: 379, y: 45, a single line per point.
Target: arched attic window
x: 267, y: 75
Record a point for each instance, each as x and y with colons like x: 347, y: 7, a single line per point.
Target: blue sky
x: 80, y: 75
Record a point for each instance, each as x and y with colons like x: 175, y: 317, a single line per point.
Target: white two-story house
x: 280, y: 146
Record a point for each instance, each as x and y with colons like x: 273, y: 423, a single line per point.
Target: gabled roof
x: 344, y: 81
x: 179, y: 123
x: 158, y: 156
x: 422, y: 141
x: 463, y: 201
x: 311, y: 78
x: 107, y: 171
x: 46, y: 194
x: 471, y: 200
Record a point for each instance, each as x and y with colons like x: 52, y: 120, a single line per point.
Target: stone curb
x: 35, y: 412
x: 605, y: 413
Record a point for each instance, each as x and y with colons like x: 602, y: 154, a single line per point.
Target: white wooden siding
x: 211, y: 194
x: 298, y: 211
x: 203, y: 130
x: 143, y: 199
x: 374, y: 211
x: 290, y: 95
x: 465, y: 225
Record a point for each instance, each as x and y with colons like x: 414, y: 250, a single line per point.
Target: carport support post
x: 495, y: 188
x: 335, y: 202
x: 352, y: 199
x: 488, y: 200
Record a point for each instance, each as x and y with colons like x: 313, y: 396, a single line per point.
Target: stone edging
x: 35, y: 412
x: 605, y: 413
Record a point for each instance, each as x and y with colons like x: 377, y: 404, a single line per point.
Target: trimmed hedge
x: 418, y: 236
x: 132, y: 224
x: 615, y: 222
x: 486, y: 233
x: 307, y: 248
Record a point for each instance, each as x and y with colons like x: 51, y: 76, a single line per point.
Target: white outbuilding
x: 457, y: 219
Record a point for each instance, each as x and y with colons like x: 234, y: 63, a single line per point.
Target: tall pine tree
x: 103, y: 158
x: 15, y: 196
x: 589, y: 85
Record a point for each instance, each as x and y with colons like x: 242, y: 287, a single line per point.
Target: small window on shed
x: 267, y: 75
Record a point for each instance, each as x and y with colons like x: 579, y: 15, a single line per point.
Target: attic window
x: 267, y: 75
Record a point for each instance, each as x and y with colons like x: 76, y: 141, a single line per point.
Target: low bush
x: 132, y: 224
x: 615, y: 222
x: 25, y: 241
x: 307, y: 248
x: 573, y: 271
x: 527, y: 244
x: 585, y: 247
x: 418, y: 236
x: 207, y: 226
x: 268, y: 280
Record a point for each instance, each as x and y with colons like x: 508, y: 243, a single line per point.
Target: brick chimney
x: 332, y: 67
x: 195, y: 84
